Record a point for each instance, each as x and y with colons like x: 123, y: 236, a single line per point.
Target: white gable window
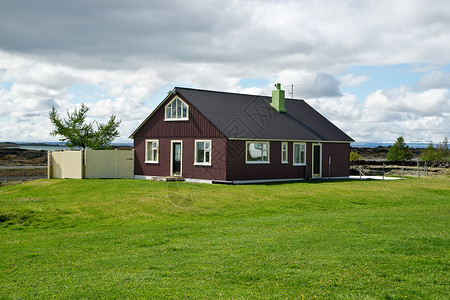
x: 257, y: 152
x: 202, y: 153
x: 177, y: 110
x: 299, y: 154
x: 284, y: 152
x: 152, y: 151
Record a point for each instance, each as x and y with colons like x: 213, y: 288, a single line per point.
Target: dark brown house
x: 235, y: 138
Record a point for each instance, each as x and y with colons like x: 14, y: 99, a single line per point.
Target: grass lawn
x: 309, y: 240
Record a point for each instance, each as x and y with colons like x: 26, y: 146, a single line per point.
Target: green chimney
x: 278, y: 98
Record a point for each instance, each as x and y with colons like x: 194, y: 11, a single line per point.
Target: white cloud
x: 344, y: 108
x: 388, y: 114
x: 353, y: 80
x: 132, y: 50
x: 401, y: 103
x: 434, y: 80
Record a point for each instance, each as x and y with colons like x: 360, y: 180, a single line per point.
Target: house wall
x: 238, y: 169
x: 214, y: 172
x: 197, y: 127
x: 340, y: 159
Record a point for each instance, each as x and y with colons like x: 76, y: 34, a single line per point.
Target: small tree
x: 439, y: 153
x: 430, y: 153
x: 75, y: 132
x: 442, y: 148
x: 399, y: 151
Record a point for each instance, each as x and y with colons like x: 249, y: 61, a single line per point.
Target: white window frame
x: 302, y: 145
x: 151, y: 160
x: 284, y: 150
x: 247, y: 144
x: 204, y: 163
x: 176, y: 100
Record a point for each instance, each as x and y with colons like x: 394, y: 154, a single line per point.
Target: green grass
x: 115, y: 239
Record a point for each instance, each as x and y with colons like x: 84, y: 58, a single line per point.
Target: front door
x: 176, y: 158
x: 317, y: 160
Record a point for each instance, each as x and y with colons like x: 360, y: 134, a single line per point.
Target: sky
x: 377, y: 69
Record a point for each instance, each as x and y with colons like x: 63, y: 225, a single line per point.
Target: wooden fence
x: 91, y: 164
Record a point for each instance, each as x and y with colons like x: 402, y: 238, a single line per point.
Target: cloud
x: 130, y: 51
x: 402, y: 103
x: 344, y: 108
x: 353, y: 80
x: 433, y: 80
x: 286, y: 34
x: 387, y: 114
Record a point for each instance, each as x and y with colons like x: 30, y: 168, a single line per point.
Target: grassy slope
x: 141, y: 239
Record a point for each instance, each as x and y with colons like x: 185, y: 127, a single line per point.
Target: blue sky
x: 377, y: 69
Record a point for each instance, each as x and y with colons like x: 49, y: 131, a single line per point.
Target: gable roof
x: 251, y: 117
x: 241, y: 116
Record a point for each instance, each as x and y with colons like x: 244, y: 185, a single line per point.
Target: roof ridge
x: 219, y: 92
x: 231, y: 93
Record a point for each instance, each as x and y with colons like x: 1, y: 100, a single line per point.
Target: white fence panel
x: 65, y: 164
x: 91, y: 164
x: 109, y: 163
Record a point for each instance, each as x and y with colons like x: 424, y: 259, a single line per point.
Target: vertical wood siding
x: 197, y: 127
x: 237, y: 169
x: 109, y: 164
x: 91, y: 164
x: 66, y: 164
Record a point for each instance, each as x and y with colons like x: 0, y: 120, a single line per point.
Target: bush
x: 354, y: 156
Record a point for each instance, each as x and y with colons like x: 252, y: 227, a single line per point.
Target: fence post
x: 418, y: 169
x: 383, y: 170
x: 49, y: 165
x: 359, y: 172
x: 83, y: 163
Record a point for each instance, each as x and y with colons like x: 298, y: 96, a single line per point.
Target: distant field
x: 116, y: 239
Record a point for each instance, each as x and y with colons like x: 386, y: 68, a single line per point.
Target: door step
x: 166, y: 178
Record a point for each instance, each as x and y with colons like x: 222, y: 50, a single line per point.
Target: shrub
x: 354, y: 156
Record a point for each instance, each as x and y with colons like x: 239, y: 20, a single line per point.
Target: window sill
x: 257, y: 162
x: 299, y: 165
x: 202, y: 164
x: 151, y: 162
x: 285, y: 162
x: 172, y: 120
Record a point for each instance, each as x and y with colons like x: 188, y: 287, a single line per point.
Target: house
x: 224, y: 137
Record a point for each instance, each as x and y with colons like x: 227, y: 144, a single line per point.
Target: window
x: 284, y: 152
x: 176, y: 110
x: 257, y: 152
x: 202, y: 153
x: 151, y: 151
x: 299, y: 154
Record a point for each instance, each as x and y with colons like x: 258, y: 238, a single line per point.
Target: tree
x: 75, y: 132
x: 430, y: 153
x: 399, y: 151
x: 442, y: 148
x: 439, y: 153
